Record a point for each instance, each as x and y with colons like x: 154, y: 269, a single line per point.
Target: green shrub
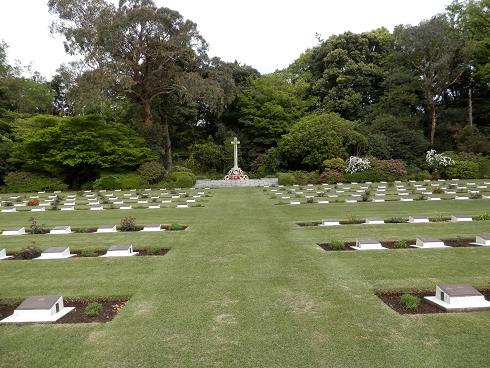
x: 409, y: 301
x: 402, y: 244
x: 420, y: 175
x: 107, y: 182
x: 334, y: 164
x: 483, y: 217
x: 285, y: 178
x: 23, y: 181
x: 30, y: 252
x: 337, y: 245
x: 152, y: 171
x: 93, y: 309
x: 128, y: 224
x: 309, y: 200
x: 88, y: 253
x: 130, y: 181
x: 476, y: 196
x: 153, y: 250
x: 463, y: 170
x: 182, y: 179
x: 35, y: 227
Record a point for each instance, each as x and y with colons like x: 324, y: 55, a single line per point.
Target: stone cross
x: 235, y: 144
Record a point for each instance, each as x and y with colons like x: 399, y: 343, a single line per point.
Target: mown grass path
x: 245, y: 287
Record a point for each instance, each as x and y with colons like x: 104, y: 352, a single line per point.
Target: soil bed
x: 392, y: 299
x: 394, y: 244
x: 94, y: 253
x: 110, y: 307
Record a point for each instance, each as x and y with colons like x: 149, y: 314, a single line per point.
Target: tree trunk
x: 470, y: 107
x: 167, y: 145
x: 147, y: 117
x: 433, y: 125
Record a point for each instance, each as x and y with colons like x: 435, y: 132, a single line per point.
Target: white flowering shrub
x: 436, y: 160
x: 357, y: 164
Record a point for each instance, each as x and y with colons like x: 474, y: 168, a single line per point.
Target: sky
x: 266, y: 34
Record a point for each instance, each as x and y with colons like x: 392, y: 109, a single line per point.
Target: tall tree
x: 151, y: 52
x: 436, y: 53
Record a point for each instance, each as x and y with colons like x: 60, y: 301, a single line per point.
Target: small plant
x: 409, y: 301
x: 153, y: 250
x: 475, y: 196
x: 88, y: 253
x: 33, y: 202
x: 176, y: 227
x: 396, y: 220
x: 437, y: 191
x: 9, y: 204
x: 93, y: 309
x: 337, y: 245
x: 128, y: 224
x: 365, y: 197
x: 402, y: 244
x: 30, y: 252
x: 422, y: 197
x: 309, y: 200
x: 35, y: 227
x: 483, y: 217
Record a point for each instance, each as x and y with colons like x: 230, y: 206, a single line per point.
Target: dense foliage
x: 145, y: 97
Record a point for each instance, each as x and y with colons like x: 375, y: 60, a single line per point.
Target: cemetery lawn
x: 244, y: 286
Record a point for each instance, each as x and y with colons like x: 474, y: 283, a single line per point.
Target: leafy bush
x: 30, y: 252
x: 420, y: 175
x: 476, y: 196
x: 334, y: 164
x: 106, y: 182
x: 23, y: 181
x: 463, y: 170
x: 176, y: 227
x: 337, y: 245
x: 152, y: 171
x: 182, y: 179
x: 35, y: 227
x: 130, y: 181
x: 153, y: 250
x: 409, y: 301
x: 207, y: 156
x: 285, y: 178
x: 402, y: 244
x: 483, y: 217
x: 88, y: 253
x: 437, y: 191
x: 33, y: 202
x: 93, y: 309
x: 309, y: 200
x: 331, y: 177
x: 128, y: 224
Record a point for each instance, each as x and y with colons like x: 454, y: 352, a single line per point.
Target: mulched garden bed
x: 110, y: 307
x: 392, y: 299
x: 455, y: 243
x: 90, y: 230
x: 95, y: 253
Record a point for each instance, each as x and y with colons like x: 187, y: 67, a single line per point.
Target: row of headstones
x: 411, y: 219
x: 60, y: 230
x: 50, y: 308
x: 421, y: 242
x: 64, y: 252
x: 96, y: 206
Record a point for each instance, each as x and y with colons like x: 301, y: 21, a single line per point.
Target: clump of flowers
x: 437, y: 160
x: 357, y: 164
x: 331, y: 177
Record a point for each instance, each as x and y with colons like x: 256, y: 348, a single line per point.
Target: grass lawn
x: 244, y: 286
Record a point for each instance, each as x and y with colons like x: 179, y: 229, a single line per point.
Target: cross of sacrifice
x: 235, y: 144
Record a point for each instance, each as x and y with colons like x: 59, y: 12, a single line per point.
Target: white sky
x: 267, y: 34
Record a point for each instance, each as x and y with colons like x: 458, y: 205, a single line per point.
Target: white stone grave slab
x: 9, y: 209
x: 458, y: 298
x: 429, y: 242
x: 14, y: 231
x: 461, y: 198
x: 126, y: 207
x: 434, y: 199
x: 154, y: 206
x: 418, y: 219
x: 167, y: 201
x: 182, y: 206
x: 152, y: 228
x: 461, y: 218
x: 294, y: 203
x: 406, y: 200
x: 482, y: 239
x: 67, y: 208
x: 39, y: 309
x: 120, y: 251
x: 368, y: 244
x: 58, y: 230
x: 330, y: 222
x: 3, y: 254
x: 56, y: 253
x: 97, y: 208
x: 107, y: 229
x: 144, y: 201
x: 322, y: 201
x: 377, y: 200
x: 374, y: 221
